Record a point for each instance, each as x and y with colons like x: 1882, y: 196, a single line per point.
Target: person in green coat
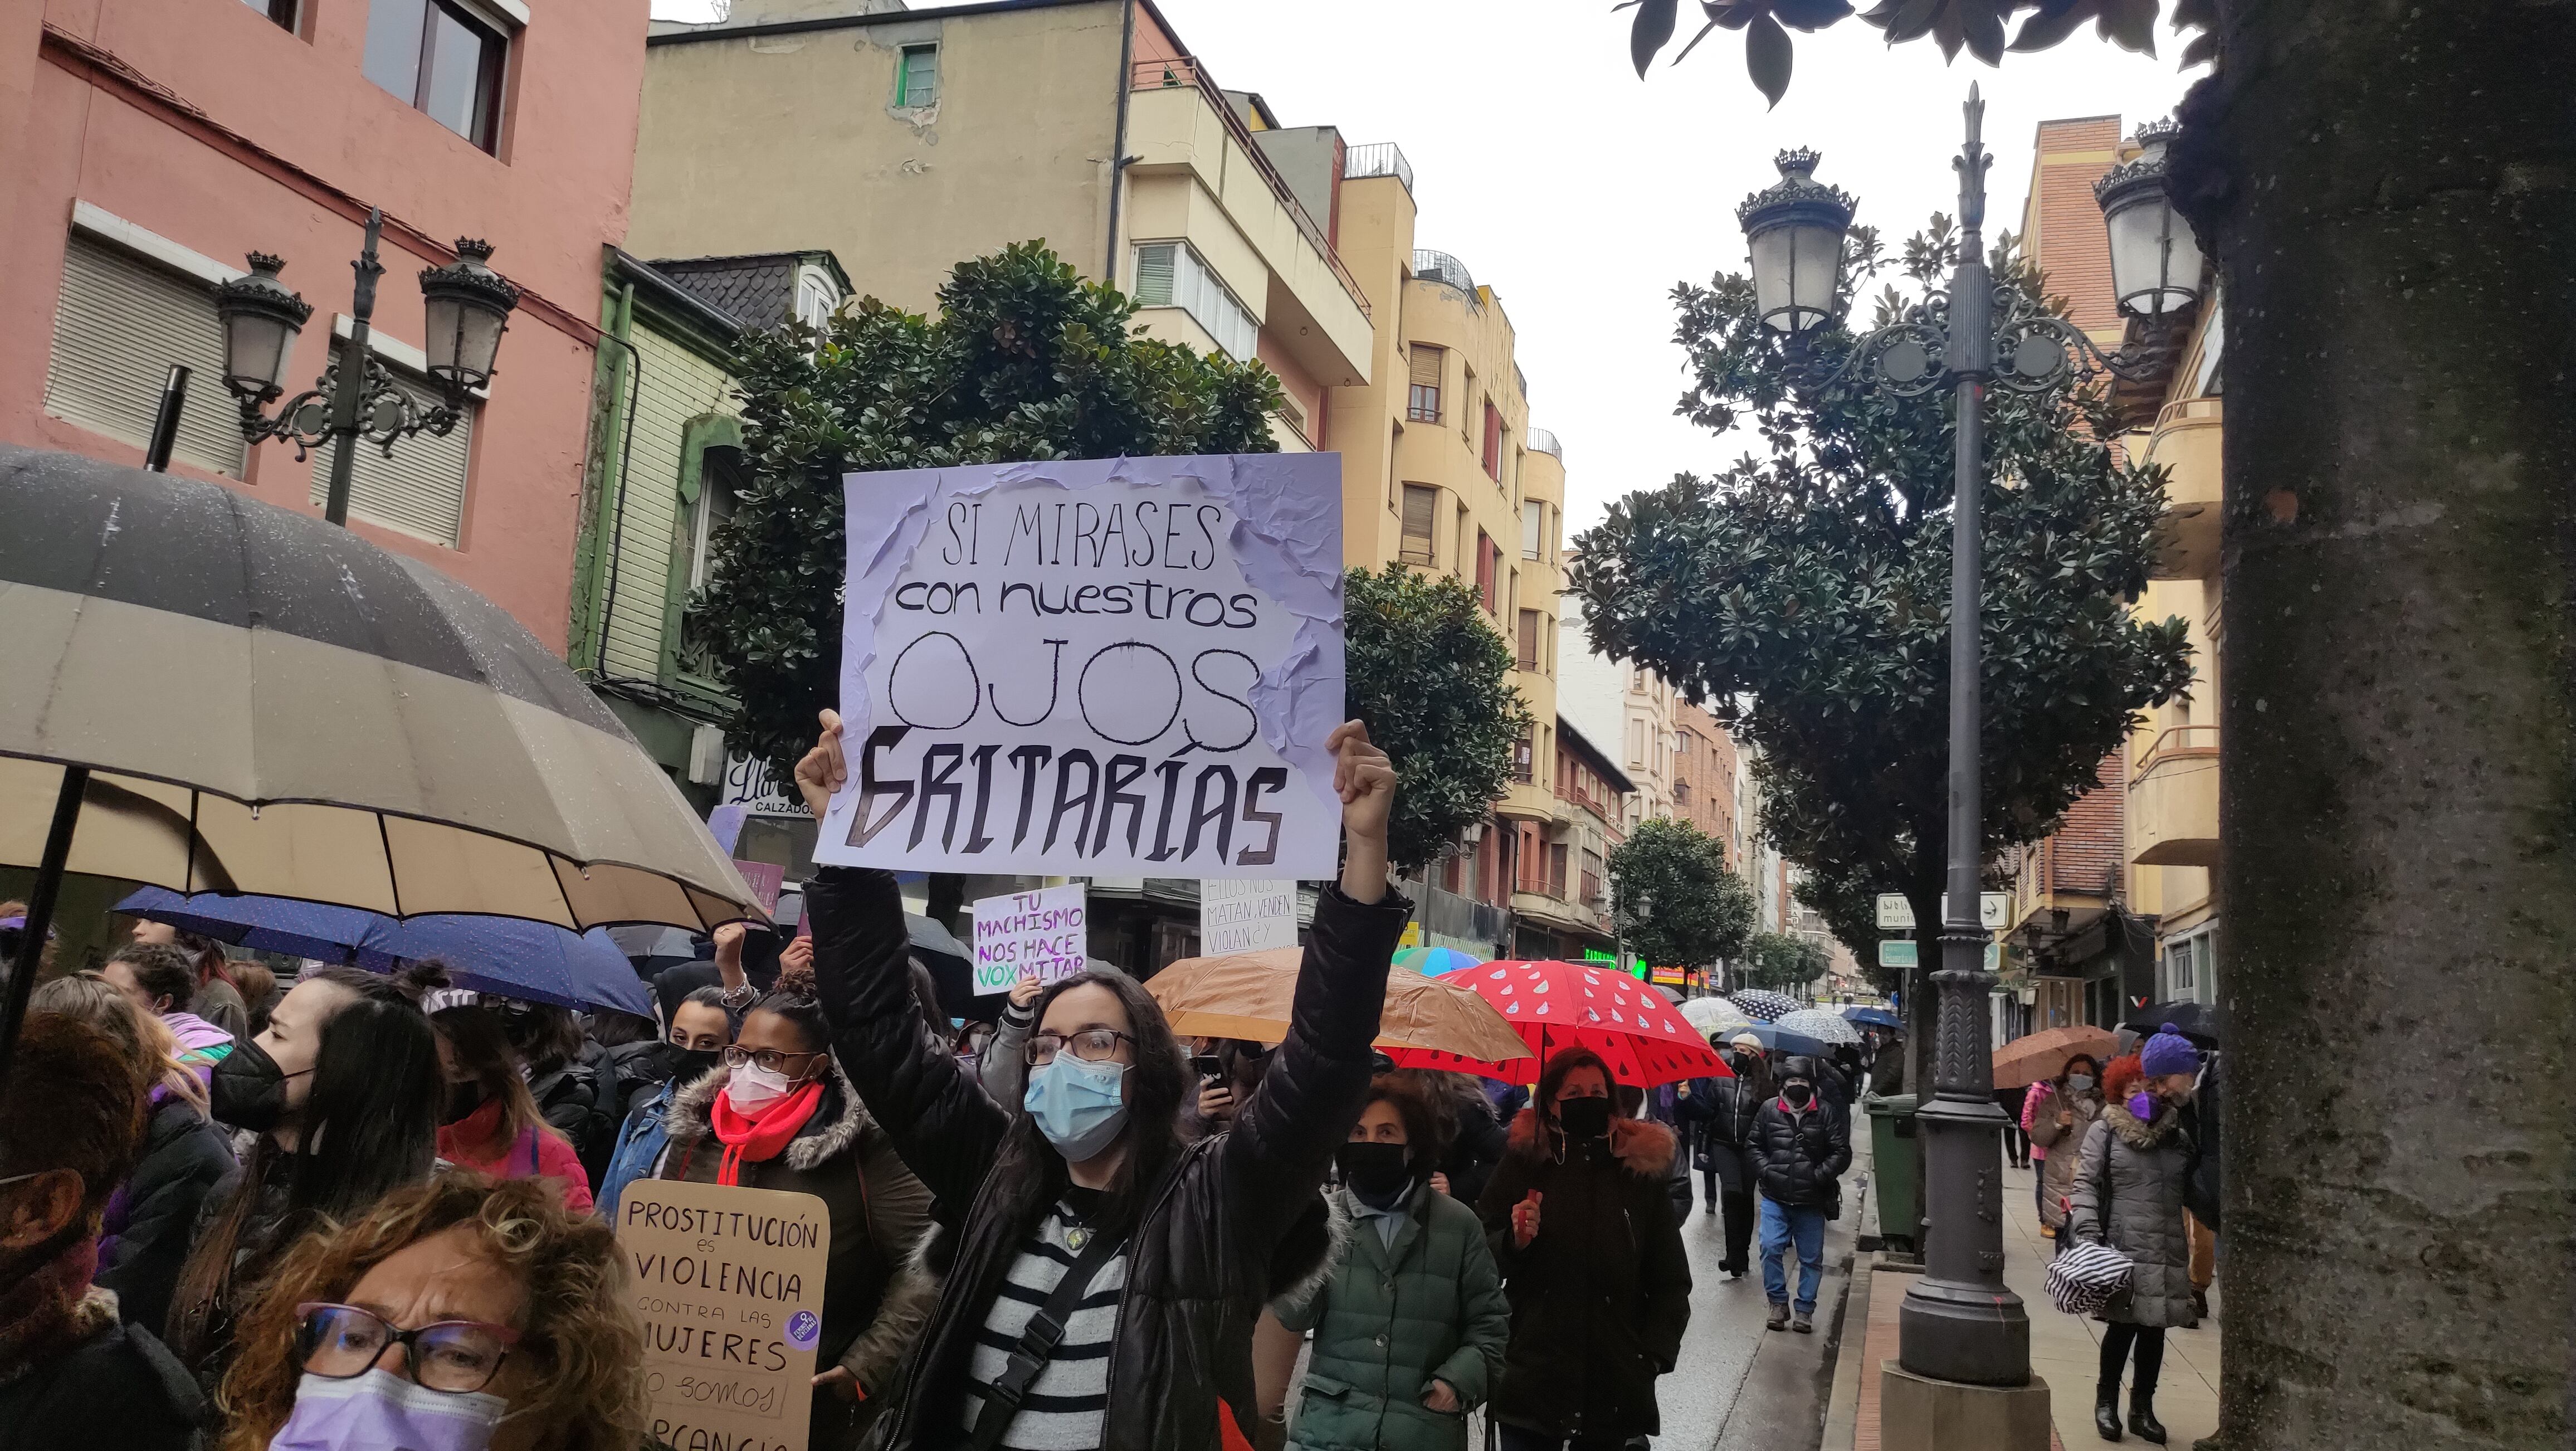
x: 1409, y: 1318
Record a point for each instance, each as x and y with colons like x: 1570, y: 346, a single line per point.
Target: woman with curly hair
x: 460, y: 1312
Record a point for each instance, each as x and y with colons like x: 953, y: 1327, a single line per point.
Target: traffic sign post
x: 1895, y: 914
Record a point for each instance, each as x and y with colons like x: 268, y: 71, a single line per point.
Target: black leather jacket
x: 1200, y: 1263
x: 1797, y: 1155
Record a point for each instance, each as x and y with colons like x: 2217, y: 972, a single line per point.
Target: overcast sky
x: 1581, y: 195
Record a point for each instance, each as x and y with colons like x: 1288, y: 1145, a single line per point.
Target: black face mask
x: 462, y: 1100
x: 249, y: 1090
x: 685, y: 1064
x: 1799, y: 1094
x: 1585, y: 1118
x: 1378, y: 1173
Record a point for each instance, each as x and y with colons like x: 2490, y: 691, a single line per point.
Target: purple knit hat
x: 2168, y: 1052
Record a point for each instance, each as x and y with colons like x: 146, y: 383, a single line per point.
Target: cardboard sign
x: 766, y: 880
x: 1119, y: 666
x: 1046, y: 932
x: 729, y: 1284
x: 1247, y: 915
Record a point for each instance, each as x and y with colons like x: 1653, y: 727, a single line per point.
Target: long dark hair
x: 473, y: 1033
x: 370, y: 1125
x: 1158, y: 1082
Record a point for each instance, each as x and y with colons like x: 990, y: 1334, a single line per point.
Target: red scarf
x: 757, y: 1137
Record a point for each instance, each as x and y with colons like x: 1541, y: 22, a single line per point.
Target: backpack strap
x: 1037, y: 1343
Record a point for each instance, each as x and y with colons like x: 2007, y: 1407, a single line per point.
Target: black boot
x: 2142, y: 1417
x: 2106, y: 1411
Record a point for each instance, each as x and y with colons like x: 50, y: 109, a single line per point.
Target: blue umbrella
x: 507, y: 956
x: 1874, y: 1017
x: 1773, y: 1040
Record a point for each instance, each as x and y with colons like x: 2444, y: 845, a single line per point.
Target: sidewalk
x: 2065, y: 1350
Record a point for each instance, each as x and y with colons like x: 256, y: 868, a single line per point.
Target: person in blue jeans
x: 1799, y: 1147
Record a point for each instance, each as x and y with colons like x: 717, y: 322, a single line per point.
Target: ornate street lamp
x: 1958, y: 1321
x: 2155, y: 259
x: 468, y: 308
x: 1796, y: 228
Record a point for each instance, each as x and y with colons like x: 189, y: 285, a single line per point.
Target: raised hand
x: 1525, y: 1220
x: 1365, y: 780
x: 824, y: 769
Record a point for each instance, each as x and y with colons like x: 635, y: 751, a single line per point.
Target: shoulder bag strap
x: 1037, y: 1343
x: 2102, y: 1210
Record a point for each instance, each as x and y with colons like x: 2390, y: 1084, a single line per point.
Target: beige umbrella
x: 2034, y: 1056
x: 1247, y: 994
x: 208, y: 693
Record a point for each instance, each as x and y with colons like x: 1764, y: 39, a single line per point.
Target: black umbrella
x: 2197, y: 1021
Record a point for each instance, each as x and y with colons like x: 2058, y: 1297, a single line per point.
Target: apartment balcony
x: 2185, y: 441
x: 2173, y: 800
x: 1561, y: 914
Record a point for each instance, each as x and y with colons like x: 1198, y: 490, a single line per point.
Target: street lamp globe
x: 468, y: 308
x: 1796, y: 227
x: 260, y: 319
x: 2155, y: 259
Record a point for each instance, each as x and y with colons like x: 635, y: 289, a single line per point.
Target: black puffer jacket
x: 184, y: 1158
x: 1207, y: 1253
x: 1798, y: 1153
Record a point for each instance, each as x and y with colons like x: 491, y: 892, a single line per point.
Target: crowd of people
x: 373, y: 1210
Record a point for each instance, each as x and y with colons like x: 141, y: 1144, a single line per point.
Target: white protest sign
x: 1119, y: 666
x: 1246, y: 915
x: 729, y: 1285
x: 1045, y: 932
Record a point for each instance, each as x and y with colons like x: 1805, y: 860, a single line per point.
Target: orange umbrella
x: 1247, y: 995
x: 2034, y: 1056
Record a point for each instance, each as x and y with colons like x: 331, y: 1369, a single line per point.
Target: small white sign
x: 1895, y: 914
x: 1899, y: 953
x: 1247, y: 914
x: 1043, y: 932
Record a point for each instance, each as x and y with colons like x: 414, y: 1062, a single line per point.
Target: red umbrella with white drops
x: 1553, y: 1006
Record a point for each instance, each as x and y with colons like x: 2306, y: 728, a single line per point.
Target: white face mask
x: 753, y: 1088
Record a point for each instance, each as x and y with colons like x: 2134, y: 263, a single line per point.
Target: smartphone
x: 1204, y: 1065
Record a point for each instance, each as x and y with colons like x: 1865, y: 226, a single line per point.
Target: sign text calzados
x: 1102, y: 666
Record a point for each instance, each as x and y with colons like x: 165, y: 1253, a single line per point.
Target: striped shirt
x: 1065, y: 1406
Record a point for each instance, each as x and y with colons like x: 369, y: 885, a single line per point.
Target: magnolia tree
x: 1676, y: 903
x: 1426, y: 672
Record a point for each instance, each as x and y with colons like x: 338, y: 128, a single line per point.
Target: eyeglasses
x: 337, y: 1342
x: 1091, y: 1045
x: 775, y: 1060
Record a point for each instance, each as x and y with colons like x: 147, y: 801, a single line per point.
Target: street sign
x: 1895, y: 914
x: 1897, y: 952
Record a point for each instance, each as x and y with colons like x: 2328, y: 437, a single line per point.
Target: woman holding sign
x: 1089, y: 1216
x: 779, y: 1115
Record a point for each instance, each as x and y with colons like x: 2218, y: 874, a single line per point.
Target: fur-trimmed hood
x: 2143, y: 1135
x: 687, y: 1123
x: 1644, y: 1146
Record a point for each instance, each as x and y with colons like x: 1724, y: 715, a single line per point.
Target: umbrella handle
x: 40, y: 910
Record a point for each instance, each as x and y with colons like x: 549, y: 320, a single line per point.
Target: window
x: 1493, y: 442
x: 282, y: 12
x: 916, y: 76
x: 2191, y: 968
x: 1556, y: 871
x: 1466, y: 403
x: 1521, y: 756
x: 420, y: 490
x: 816, y: 297
x: 1636, y: 742
x: 1533, y: 529
x: 1529, y: 639
x: 435, y: 55
x: 1421, y: 503
x: 2213, y: 349
x: 1422, y: 402
x: 1486, y: 554
x: 119, y: 323
x: 1169, y: 274
x: 1592, y: 875
x: 1681, y: 793
x: 720, y: 484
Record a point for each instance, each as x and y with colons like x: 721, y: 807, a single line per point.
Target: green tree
x: 2383, y: 191
x: 1024, y: 361
x: 1695, y: 911
x: 1426, y: 673
x: 1804, y: 594
x: 1781, y: 961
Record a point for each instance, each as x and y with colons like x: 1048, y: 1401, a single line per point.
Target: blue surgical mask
x: 1077, y: 1104
x: 382, y: 1410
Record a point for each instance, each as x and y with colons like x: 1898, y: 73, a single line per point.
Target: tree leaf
x: 1950, y: 29
x: 1767, y: 54
x: 1913, y: 21
x: 1810, y: 15
x: 1984, y: 29
x: 2055, y: 21
x: 2129, y: 24
x: 1648, y: 32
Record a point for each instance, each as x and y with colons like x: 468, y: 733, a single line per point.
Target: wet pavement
x: 1739, y: 1387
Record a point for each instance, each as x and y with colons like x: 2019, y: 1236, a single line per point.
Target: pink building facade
x: 147, y: 145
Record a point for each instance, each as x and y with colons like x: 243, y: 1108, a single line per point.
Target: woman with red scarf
x: 779, y: 1115
x: 491, y: 1123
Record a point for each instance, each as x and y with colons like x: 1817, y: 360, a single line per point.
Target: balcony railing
x: 2173, y: 800
x: 1433, y: 266
x: 1378, y: 158
x: 2181, y: 740
x: 1185, y: 72
x: 1543, y: 440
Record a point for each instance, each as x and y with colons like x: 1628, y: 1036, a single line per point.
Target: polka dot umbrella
x: 1765, y: 1006
x: 1558, y: 1005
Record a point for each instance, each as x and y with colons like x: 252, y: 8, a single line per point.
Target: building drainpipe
x: 1118, y: 143
x: 625, y: 453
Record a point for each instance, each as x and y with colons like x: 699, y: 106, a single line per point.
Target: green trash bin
x: 1891, y: 1150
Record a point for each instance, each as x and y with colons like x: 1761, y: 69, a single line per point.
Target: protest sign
x: 1045, y: 932
x: 729, y: 1285
x: 1246, y: 915
x: 1123, y: 666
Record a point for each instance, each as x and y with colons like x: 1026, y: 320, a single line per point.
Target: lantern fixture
x: 260, y: 320
x: 468, y: 308
x: 2155, y: 258
x: 1796, y: 228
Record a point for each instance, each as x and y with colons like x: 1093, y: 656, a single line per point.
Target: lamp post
x: 467, y: 307
x: 1959, y: 1322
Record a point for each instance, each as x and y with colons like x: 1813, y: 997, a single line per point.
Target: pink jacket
x: 2040, y: 1093
x: 539, y: 1153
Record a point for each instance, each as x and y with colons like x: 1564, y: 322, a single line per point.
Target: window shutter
x: 119, y: 323
x: 421, y: 489
x: 1154, y: 274
x: 1427, y: 361
x: 1529, y: 640
x: 1420, y: 502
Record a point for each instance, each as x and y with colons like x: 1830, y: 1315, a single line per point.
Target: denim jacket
x: 640, y: 1141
